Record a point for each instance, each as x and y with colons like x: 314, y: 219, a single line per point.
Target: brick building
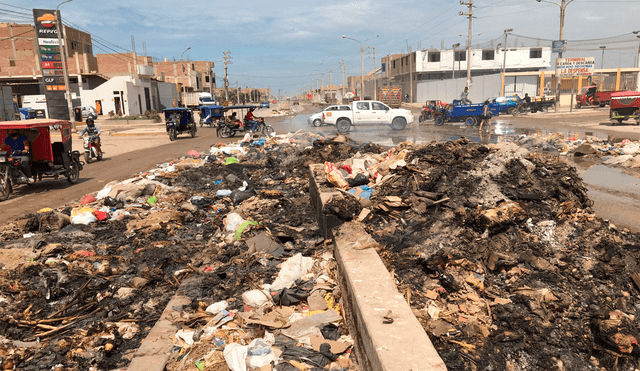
x: 22, y: 70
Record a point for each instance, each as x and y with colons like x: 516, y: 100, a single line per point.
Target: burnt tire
x: 172, y: 134
x: 398, y: 123
x: 74, y: 172
x: 226, y: 132
x: 317, y: 123
x: 5, y: 185
x: 470, y: 121
x: 343, y: 126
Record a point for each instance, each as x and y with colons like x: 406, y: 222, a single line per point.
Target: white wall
x: 516, y: 58
x: 132, y: 105
x: 483, y: 87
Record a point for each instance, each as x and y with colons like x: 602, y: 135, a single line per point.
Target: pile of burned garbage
x: 499, y: 254
x: 496, y: 249
x: 82, y: 286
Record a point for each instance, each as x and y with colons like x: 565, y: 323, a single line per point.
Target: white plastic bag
x: 236, y: 356
x: 216, y: 308
x: 259, y: 354
x: 255, y: 298
x: 85, y: 218
x: 292, y: 269
x: 233, y: 221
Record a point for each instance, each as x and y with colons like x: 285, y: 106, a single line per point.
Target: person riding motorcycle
x: 18, y: 145
x: 94, y: 131
x: 252, y: 120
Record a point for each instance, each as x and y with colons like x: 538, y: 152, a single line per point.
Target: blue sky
x: 285, y: 45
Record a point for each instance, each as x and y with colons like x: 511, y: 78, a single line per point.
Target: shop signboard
x: 51, y: 63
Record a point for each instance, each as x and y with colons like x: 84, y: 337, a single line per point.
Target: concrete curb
x: 371, y: 294
x: 155, y: 350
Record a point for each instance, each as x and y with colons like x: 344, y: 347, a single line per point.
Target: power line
x: 14, y: 6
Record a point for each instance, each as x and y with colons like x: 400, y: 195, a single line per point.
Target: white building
x: 408, y: 70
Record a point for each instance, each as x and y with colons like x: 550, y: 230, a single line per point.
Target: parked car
x: 316, y: 118
x: 86, y: 111
x: 264, y: 104
x: 506, y: 104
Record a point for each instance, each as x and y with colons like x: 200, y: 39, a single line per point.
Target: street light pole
x: 182, y: 72
x: 65, y: 71
x: 563, y: 7
x: 453, y: 69
x: 361, y: 63
x: 504, y: 60
x: 602, y: 60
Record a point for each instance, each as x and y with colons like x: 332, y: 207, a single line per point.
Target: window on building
x: 488, y: 55
x: 535, y: 53
x: 461, y: 55
x: 393, y: 64
x: 12, y: 63
x: 193, y: 67
x: 74, y: 45
x: 206, y: 79
x: 401, y: 62
x: 434, y: 56
x: 414, y: 58
x: 87, y: 49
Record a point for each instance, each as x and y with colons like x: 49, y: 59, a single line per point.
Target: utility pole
x: 227, y: 61
x: 563, y: 7
x: 470, y: 15
x: 135, y: 61
x: 410, y: 76
x: 504, y: 60
x: 343, y: 92
x: 375, y: 79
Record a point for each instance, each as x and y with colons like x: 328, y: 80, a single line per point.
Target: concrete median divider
x: 388, y: 336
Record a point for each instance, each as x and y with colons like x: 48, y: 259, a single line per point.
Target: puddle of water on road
x: 611, y: 178
x: 426, y: 133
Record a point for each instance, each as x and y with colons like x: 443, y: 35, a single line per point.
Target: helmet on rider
x: 90, y: 121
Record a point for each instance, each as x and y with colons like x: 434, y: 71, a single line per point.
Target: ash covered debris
x: 496, y: 249
x: 83, y: 285
x: 500, y: 255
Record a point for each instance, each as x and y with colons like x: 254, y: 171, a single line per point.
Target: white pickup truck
x: 367, y: 112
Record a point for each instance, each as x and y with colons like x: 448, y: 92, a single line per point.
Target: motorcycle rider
x: 18, y: 145
x: 527, y: 100
x: 94, y: 131
x: 251, y: 120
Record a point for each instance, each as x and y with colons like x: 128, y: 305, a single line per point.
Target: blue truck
x: 470, y: 114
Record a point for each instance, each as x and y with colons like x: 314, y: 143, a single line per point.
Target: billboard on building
x: 51, y: 63
x: 576, y: 66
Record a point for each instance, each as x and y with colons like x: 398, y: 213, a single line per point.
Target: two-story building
x: 409, y: 70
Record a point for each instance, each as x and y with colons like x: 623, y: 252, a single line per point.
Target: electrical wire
x: 14, y: 36
x: 14, y: 6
